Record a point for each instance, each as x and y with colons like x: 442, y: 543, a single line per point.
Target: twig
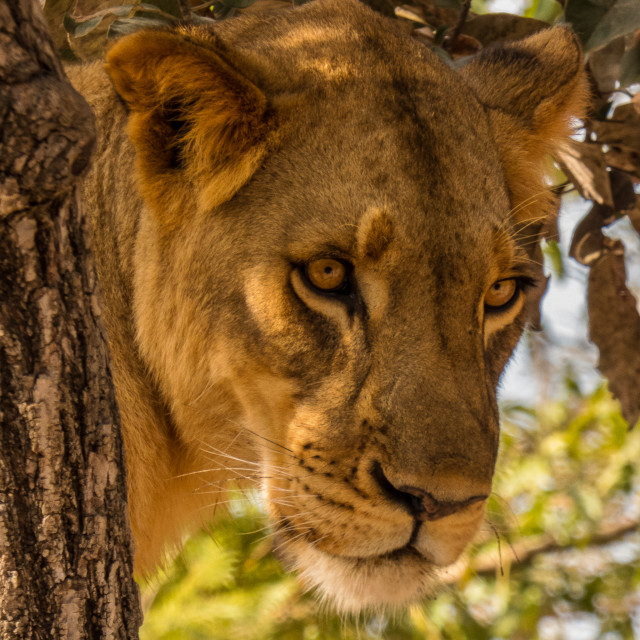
x: 464, y: 12
x: 525, y: 552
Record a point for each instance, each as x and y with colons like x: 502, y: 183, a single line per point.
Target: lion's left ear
x: 200, y: 127
x: 531, y: 90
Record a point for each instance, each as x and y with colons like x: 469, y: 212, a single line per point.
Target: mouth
x: 371, y: 555
x: 387, y: 581
x: 283, y: 540
x: 402, y: 554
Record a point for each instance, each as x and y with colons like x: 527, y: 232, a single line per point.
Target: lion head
x: 333, y: 263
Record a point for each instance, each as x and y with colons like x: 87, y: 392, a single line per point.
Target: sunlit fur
x: 228, y: 158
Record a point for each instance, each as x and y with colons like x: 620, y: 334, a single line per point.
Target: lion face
x: 376, y: 325
x: 332, y: 268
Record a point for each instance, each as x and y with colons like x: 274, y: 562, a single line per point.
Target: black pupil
x: 328, y: 270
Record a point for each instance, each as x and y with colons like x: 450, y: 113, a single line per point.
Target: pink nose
x: 420, y: 503
x: 433, y: 509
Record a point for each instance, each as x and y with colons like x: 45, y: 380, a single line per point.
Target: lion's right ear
x: 199, y: 127
x: 531, y: 90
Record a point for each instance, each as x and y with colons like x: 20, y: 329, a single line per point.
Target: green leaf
x: 545, y: 10
x: 479, y: 7
x: 532, y: 9
x: 630, y: 66
x: 126, y: 26
x: 553, y: 258
x: 598, y: 22
x: 78, y: 28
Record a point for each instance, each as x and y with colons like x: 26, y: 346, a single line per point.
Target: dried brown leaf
x: 614, y: 325
x: 462, y: 46
x: 413, y: 14
x: 624, y: 196
x: 624, y: 158
x: 436, y: 16
x: 604, y: 65
x: 534, y: 312
x: 586, y: 167
x: 588, y: 243
x: 501, y: 27
x: 549, y: 230
x: 535, y: 300
x: 425, y: 34
x: 623, y: 128
x: 385, y: 7
x: 621, y: 134
x: 634, y: 216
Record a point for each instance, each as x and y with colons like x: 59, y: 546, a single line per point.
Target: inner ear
x: 531, y: 91
x: 173, y: 115
x: 200, y: 127
x: 173, y: 112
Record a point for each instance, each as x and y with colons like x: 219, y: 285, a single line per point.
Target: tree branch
x: 522, y: 553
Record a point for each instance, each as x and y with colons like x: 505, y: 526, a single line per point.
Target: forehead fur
x: 375, y: 233
x: 321, y: 44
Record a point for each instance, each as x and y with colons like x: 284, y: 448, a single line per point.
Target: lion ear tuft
x: 198, y: 125
x: 532, y: 90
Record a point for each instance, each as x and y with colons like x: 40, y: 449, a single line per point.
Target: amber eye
x: 327, y: 274
x: 501, y: 293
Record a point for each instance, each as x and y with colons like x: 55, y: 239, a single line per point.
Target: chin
x: 354, y: 585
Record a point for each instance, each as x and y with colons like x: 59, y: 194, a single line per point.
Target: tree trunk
x: 65, y: 544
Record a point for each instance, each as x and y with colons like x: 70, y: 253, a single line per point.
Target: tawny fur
x: 228, y: 158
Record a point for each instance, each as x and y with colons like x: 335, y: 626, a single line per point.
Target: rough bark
x: 65, y: 544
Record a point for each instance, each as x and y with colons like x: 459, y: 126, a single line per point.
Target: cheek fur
x: 500, y: 348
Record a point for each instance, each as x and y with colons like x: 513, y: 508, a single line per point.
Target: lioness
x: 314, y: 240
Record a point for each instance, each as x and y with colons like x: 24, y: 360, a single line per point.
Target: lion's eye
x: 327, y: 274
x: 501, y: 293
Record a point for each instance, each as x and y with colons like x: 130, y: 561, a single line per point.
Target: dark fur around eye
x: 523, y: 284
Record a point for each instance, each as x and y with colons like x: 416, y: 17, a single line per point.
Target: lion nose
x: 420, y: 503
